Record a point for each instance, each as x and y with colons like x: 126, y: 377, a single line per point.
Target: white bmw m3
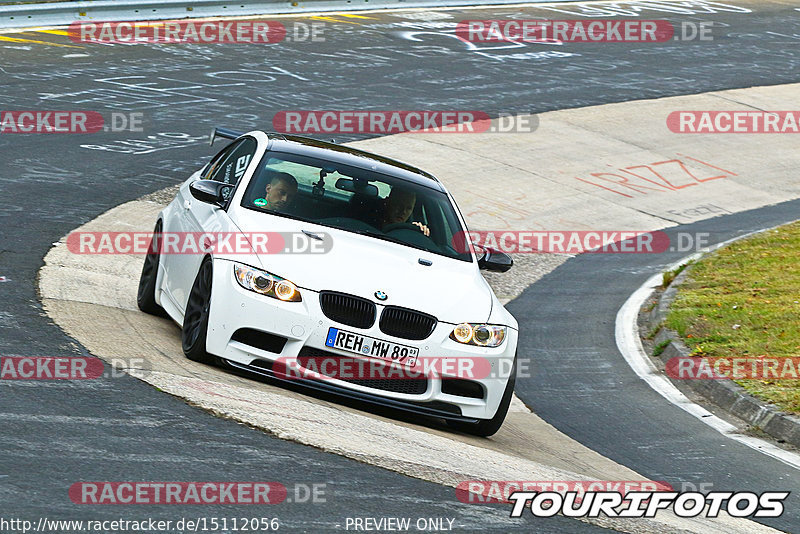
x: 380, y: 312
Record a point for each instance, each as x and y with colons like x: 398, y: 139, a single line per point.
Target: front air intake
x: 347, y: 309
x: 406, y: 323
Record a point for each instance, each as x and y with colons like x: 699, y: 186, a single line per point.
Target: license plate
x: 369, y: 346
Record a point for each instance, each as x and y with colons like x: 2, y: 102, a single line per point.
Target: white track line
x: 630, y: 345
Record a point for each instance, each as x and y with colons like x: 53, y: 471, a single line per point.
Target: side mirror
x: 211, y: 192
x: 494, y: 260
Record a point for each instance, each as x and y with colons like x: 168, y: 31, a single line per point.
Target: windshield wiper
x: 312, y: 235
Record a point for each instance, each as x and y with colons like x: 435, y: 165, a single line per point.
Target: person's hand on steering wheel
x: 422, y: 228
x: 407, y: 226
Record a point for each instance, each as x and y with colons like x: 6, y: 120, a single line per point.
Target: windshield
x: 355, y: 200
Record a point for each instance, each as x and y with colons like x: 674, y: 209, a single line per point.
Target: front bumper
x: 304, y: 327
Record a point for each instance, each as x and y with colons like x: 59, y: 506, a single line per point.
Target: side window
x: 230, y: 165
x: 215, y: 161
x: 305, y: 175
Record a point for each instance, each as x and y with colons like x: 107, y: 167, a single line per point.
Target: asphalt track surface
x: 55, y: 434
x: 582, y: 385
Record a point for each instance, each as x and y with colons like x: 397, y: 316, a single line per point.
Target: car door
x: 197, y: 217
x: 174, y: 269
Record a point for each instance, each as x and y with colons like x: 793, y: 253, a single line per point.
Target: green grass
x: 744, y: 301
x: 658, y: 349
x: 653, y: 331
x: 669, y: 276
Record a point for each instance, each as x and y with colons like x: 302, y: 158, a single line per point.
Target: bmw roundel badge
x: 380, y: 295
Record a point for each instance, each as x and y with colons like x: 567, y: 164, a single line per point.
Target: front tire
x: 489, y: 427
x: 146, y: 295
x: 195, y: 320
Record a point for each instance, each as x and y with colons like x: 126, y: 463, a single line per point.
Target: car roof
x: 323, y: 150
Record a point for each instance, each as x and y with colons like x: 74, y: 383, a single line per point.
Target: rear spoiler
x: 224, y: 132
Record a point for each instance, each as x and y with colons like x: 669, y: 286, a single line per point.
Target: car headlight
x: 266, y: 283
x: 482, y: 335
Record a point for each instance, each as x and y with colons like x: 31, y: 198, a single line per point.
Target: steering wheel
x: 401, y: 226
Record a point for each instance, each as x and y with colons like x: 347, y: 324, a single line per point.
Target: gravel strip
x: 162, y: 196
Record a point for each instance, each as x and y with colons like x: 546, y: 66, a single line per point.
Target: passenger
x: 280, y: 191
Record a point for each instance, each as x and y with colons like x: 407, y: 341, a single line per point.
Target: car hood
x: 451, y: 290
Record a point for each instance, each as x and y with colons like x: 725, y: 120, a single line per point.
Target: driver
x: 397, y: 208
x: 280, y: 191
